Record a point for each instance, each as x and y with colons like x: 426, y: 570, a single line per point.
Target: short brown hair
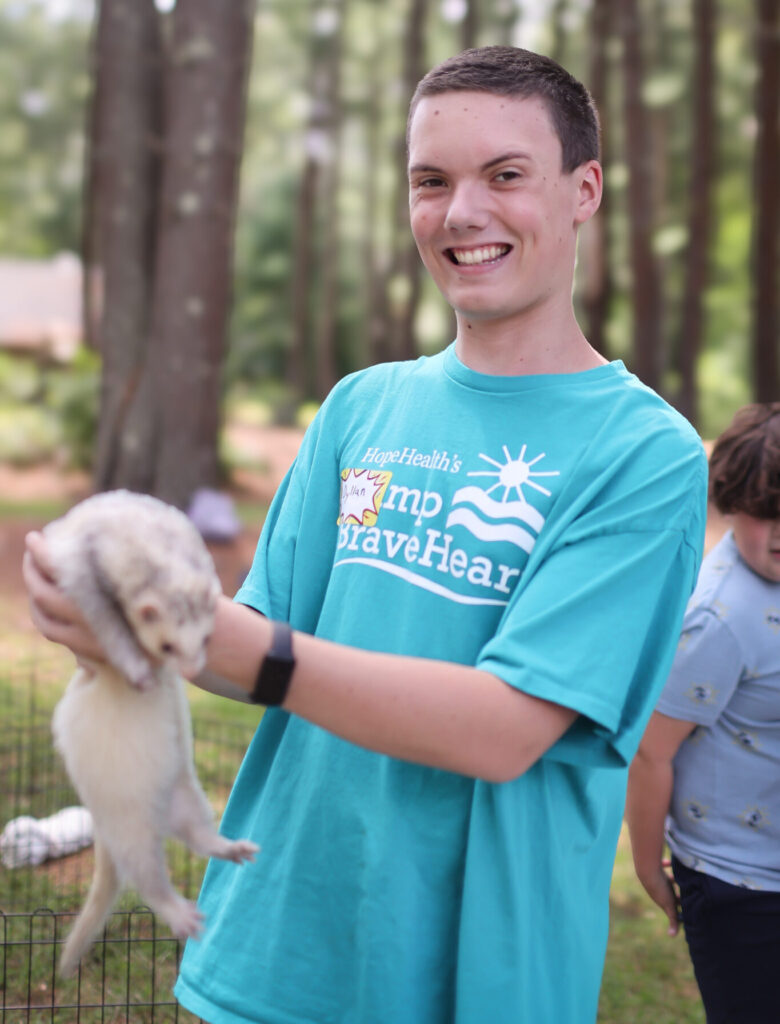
x: 745, y: 463
x: 510, y: 71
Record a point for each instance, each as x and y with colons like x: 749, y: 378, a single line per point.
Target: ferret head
x: 174, y: 629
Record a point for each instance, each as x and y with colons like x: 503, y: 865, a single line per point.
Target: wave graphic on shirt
x: 485, y: 506
x: 486, y: 517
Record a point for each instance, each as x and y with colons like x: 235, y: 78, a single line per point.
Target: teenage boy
x: 485, y: 556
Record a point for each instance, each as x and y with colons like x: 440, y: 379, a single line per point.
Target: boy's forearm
x: 650, y: 784
x: 445, y: 715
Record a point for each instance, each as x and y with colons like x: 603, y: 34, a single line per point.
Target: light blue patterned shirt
x: 725, y: 814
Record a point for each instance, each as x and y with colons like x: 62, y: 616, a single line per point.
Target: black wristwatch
x: 276, y: 668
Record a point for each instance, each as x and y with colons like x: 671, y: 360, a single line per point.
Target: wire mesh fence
x: 44, y: 877
x: 127, y: 976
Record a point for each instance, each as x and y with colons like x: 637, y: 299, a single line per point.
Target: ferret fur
x: 145, y: 582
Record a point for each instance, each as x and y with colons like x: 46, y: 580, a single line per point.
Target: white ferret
x: 145, y: 582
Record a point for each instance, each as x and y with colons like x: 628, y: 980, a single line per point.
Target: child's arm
x: 650, y: 784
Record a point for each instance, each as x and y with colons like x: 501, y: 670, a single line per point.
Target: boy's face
x: 493, y: 215
x: 758, y: 541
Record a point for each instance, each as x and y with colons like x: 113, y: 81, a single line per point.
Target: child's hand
x: 52, y: 613
x: 660, y: 888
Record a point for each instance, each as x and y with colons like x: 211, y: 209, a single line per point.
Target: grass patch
x: 648, y: 977
x: 43, y: 509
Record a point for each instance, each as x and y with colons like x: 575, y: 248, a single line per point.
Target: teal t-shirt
x: 546, y: 529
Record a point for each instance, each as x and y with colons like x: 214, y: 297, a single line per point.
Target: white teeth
x: 486, y: 254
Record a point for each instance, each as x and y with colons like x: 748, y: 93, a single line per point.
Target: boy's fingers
x: 35, y: 543
x: 48, y: 601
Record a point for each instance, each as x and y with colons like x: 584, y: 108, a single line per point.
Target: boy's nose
x: 467, y: 208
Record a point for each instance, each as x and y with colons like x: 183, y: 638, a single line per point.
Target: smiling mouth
x: 479, y: 256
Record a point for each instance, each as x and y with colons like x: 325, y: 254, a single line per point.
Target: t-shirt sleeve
x: 706, y: 670
x: 290, y: 568
x: 595, y: 630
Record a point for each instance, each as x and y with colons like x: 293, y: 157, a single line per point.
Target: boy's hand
x: 52, y: 613
x: 661, y: 890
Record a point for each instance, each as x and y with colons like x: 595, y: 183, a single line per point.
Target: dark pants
x: 734, y: 940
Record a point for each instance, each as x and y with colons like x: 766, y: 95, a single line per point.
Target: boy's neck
x: 508, y: 348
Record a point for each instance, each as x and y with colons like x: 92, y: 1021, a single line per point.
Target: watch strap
x: 276, y: 668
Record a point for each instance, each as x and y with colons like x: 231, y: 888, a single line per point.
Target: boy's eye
x: 507, y: 175
x: 431, y: 182
x: 167, y: 648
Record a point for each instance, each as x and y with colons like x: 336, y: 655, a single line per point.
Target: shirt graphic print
x: 467, y: 545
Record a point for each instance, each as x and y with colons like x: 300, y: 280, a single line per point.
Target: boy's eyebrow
x: 424, y: 168
x: 431, y: 169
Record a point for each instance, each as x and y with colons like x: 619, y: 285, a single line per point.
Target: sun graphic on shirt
x: 514, y: 474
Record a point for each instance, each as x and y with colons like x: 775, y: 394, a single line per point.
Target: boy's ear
x: 590, y: 187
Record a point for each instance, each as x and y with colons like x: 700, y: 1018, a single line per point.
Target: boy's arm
x: 433, y: 712
x: 437, y: 713
x: 650, y: 784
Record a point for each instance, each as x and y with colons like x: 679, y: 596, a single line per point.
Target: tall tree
x: 558, y: 17
x: 646, y: 280
x: 161, y: 398
x: 699, y: 204
x: 204, y: 120
x: 596, y: 278
x: 318, y: 155
x: 376, y: 348
x: 405, y: 274
x: 469, y: 31
x: 122, y: 166
x: 326, y: 372
x: 766, y: 226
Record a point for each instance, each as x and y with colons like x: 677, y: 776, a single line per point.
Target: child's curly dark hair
x: 745, y: 463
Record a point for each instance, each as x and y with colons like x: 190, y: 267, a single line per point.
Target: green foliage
x: 28, y: 434
x: 45, y: 71
x: 72, y: 395
x: 45, y: 76
x: 49, y: 412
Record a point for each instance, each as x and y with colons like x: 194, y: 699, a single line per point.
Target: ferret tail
x: 94, y: 914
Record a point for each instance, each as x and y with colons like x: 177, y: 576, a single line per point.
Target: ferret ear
x: 148, y: 609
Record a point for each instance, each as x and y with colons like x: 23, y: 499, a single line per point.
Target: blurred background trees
x: 205, y: 290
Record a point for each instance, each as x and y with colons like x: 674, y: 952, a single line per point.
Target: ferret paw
x: 143, y: 679
x: 185, y: 920
x: 238, y: 850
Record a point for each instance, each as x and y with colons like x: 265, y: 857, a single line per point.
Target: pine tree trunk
x: 595, y: 277
x: 470, y: 25
x: 327, y: 322
x: 205, y: 112
x: 119, y: 231
x: 700, y: 206
x: 646, y: 291
x: 766, y: 227
x: 406, y: 272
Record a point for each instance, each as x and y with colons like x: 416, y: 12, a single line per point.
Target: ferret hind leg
x: 94, y: 914
x: 192, y: 821
x: 142, y: 866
